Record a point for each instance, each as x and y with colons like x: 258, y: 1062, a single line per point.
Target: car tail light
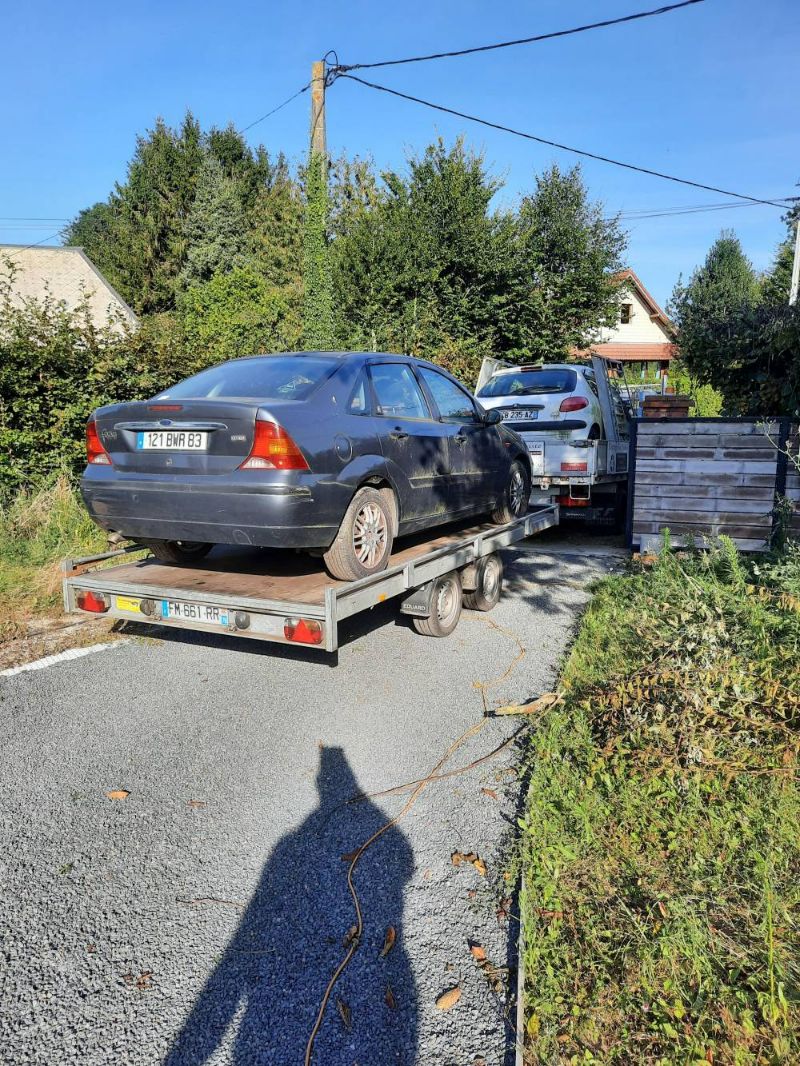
x: 568, y: 501
x: 95, y: 602
x: 273, y: 449
x: 302, y: 630
x: 95, y: 452
x: 574, y: 403
x: 574, y: 468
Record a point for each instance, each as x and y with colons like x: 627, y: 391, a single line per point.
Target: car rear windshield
x: 529, y: 382
x: 273, y: 377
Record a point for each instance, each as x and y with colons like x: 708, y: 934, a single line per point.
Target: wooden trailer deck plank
x: 265, y: 573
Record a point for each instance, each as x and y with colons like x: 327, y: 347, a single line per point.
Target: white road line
x: 62, y: 656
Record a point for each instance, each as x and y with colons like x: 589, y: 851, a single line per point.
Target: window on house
x: 625, y: 314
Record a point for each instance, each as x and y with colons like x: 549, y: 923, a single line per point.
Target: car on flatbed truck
x: 574, y: 422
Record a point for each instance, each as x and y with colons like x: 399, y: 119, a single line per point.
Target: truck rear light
x: 574, y: 468
x: 569, y: 501
x: 95, y: 452
x: 574, y: 403
x: 95, y: 602
x: 302, y: 630
x: 273, y: 449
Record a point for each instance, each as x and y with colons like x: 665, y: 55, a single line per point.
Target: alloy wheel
x: 370, y: 535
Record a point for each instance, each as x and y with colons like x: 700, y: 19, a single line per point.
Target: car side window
x: 397, y: 392
x: 453, y: 403
x: 359, y: 398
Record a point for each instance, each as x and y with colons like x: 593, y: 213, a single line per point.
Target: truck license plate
x: 164, y: 440
x: 194, y: 612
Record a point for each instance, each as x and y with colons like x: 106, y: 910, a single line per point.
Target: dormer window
x: 625, y: 314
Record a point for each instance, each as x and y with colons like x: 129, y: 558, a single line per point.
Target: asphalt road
x: 199, y: 918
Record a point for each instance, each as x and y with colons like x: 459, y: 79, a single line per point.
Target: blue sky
x: 708, y: 93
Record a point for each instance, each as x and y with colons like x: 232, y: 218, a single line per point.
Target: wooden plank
x: 691, y: 427
x: 653, y: 543
x: 709, y: 467
x: 715, y: 529
x: 702, y: 506
x: 681, y: 477
x: 712, y: 492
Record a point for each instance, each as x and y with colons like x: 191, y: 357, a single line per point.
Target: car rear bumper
x: 246, y: 511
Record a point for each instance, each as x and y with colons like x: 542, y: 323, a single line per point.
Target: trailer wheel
x: 177, y: 551
x: 364, y: 541
x: 446, y: 602
x: 516, y: 495
x: 488, y: 584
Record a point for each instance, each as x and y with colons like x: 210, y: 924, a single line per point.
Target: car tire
x: 446, y: 604
x: 516, y: 495
x: 363, y: 544
x: 177, y: 551
x: 488, y: 584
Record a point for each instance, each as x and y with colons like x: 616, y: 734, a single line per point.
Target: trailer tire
x: 488, y: 584
x: 516, y: 495
x: 446, y: 604
x: 177, y: 551
x: 363, y: 544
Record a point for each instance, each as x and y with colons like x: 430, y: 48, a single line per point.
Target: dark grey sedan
x: 335, y: 452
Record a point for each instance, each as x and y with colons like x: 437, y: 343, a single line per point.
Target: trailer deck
x: 275, y: 595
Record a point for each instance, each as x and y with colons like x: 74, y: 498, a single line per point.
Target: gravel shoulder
x: 199, y: 918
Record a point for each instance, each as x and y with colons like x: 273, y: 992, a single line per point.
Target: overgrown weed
x: 662, y: 831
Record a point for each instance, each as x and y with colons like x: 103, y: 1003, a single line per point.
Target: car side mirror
x: 492, y: 417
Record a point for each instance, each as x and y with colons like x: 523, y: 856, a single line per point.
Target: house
x: 69, y: 277
x: 643, y: 335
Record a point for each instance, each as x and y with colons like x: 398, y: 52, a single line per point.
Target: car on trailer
x: 333, y: 453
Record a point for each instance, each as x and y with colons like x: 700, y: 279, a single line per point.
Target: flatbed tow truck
x: 289, y: 598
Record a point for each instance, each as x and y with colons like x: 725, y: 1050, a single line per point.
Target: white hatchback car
x: 542, y: 397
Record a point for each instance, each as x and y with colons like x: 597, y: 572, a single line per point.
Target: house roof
x: 644, y: 352
x: 68, y: 275
x: 656, y: 312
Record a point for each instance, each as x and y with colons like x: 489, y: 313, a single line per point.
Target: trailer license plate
x: 194, y: 612
x: 163, y: 440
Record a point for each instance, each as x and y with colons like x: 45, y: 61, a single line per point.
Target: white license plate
x: 171, y: 440
x: 520, y: 416
x: 194, y: 612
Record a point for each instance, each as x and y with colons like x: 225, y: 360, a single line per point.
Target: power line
x: 25, y: 247
x: 638, y: 216
x: 522, y: 40
x: 275, y: 110
x: 32, y: 218
x: 556, y: 144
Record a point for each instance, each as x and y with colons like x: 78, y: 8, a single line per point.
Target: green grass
x: 661, y: 839
x: 38, y: 528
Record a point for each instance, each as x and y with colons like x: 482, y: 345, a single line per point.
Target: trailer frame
x: 339, y: 600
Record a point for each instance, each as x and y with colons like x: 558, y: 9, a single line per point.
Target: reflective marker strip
x: 61, y: 657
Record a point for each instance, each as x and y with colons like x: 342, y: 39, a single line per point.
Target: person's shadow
x: 259, y: 1004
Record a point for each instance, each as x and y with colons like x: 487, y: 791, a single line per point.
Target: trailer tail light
x: 302, y: 630
x: 95, y: 602
x: 570, y: 501
x: 574, y: 468
x: 273, y: 449
x: 95, y: 452
x: 574, y: 403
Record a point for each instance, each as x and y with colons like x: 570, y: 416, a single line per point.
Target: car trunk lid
x: 203, y: 437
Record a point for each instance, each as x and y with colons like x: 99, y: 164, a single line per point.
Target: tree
x: 566, y: 254
x: 317, y: 288
x: 215, y: 230
x: 777, y: 282
x: 735, y: 334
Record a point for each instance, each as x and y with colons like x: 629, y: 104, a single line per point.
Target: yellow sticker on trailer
x: 125, y: 603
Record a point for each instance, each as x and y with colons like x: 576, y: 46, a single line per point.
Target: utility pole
x: 318, y: 108
x: 795, y: 265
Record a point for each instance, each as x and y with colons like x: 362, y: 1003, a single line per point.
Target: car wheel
x: 363, y: 544
x: 488, y: 584
x: 177, y: 551
x: 516, y: 496
x: 446, y: 603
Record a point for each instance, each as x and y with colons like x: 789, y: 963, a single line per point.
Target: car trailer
x: 289, y: 598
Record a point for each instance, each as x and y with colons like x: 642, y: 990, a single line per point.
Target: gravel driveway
x: 199, y: 918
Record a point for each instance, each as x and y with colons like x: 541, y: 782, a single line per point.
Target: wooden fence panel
x: 709, y: 477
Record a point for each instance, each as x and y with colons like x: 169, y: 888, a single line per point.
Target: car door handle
x: 398, y: 434
x: 460, y: 438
